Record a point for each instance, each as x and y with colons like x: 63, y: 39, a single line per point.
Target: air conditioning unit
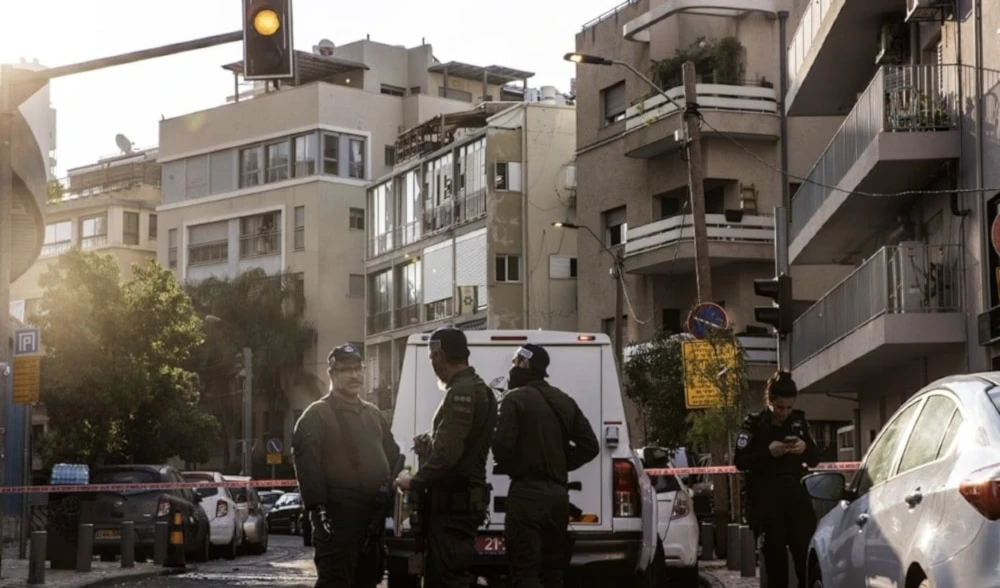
x: 893, y: 44
x: 570, y: 177
x: 929, y: 10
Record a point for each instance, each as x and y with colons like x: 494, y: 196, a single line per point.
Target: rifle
x: 383, y: 510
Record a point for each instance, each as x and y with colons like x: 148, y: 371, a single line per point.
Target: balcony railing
x: 50, y: 249
x: 753, y: 97
x: 471, y: 206
x: 901, y: 98
x: 379, y: 322
x: 209, y: 252
x: 805, y: 34
x: 407, y: 316
x: 93, y: 241
x: 613, y: 13
x: 759, y: 350
x: 451, y: 213
x: 440, y: 309
x: 265, y: 243
x: 675, y: 229
x: 900, y: 279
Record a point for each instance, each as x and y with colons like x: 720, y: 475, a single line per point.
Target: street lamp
x: 587, y: 59
x: 247, y: 441
x: 618, y: 273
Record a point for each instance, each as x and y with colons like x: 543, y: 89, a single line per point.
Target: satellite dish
x: 324, y: 48
x: 123, y: 143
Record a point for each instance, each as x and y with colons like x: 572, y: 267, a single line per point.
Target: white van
x: 616, y: 538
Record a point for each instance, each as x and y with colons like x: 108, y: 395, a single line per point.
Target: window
x: 670, y: 320
x: 356, y: 286
x: 390, y: 90
x: 172, y: 248
x: 508, y: 268
x: 305, y: 155
x: 390, y: 155
x: 608, y: 326
x: 278, y: 161
x: 356, y: 158
x: 925, y: 440
x: 357, y: 219
x: 562, y: 267
x: 152, y: 227
x: 300, y: 228
x: 614, y: 102
x: 250, y: 165
x: 260, y: 235
x: 331, y: 154
x: 130, y: 231
x: 508, y: 176
x: 615, y: 227
x: 878, y: 465
x: 58, y: 238
x: 208, y: 243
x: 94, y: 231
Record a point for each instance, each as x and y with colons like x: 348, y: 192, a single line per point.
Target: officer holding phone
x: 775, y: 449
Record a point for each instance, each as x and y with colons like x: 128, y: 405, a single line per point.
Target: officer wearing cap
x: 451, y: 482
x: 343, y: 451
x: 541, y: 436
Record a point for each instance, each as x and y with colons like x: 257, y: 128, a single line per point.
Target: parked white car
x: 255, y: 537
x: 923, y: 509
x: 224, y: 518
x: 677, y: 523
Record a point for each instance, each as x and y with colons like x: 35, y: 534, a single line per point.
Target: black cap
x: 345, y: 355
x: 537, y: 356
x: 451, y: 342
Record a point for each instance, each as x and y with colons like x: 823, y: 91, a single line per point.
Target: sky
x: 131, y: 99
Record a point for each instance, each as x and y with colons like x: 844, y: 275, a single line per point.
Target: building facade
x: 904, y: 197
x: 633, y: 176
x: 276, y: 180
x: 461, y: 232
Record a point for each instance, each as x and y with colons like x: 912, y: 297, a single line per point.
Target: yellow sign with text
x: 703, y: 362
x: 273, y: 459
x: 27, y: 379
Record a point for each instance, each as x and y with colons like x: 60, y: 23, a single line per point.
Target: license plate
x: 490, y: 545
x: 109, y: 534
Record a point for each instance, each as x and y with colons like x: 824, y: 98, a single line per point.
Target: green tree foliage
x: 112, y: 380
x: 263, y: 313
x: 654, y: 381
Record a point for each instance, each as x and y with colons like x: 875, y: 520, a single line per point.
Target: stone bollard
x: 733, y: 547
x: 748, y: 553
x: 36, y: 565
x: 84, y: 548
x: 128, y: 544
x: 707, y: 541
x: 160, y: 538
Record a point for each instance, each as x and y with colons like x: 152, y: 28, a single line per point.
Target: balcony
x: 452, y: 213
x: 379, y: 322
x: 668, y: 244
x: 745, y: 110
x: 638, y: 28
x: 902, y: 303
x: 901, y: 130
x: 407, y: 316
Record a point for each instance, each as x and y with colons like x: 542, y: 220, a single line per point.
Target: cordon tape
x: 839, y: 466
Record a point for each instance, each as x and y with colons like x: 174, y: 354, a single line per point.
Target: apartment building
x: 921, y: 121
x: 277, y: 180
x: 108, y: 207
x: 461, y: 232
x: 633, y: 176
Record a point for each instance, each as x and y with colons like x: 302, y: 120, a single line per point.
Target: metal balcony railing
x: 93, y: 241
x: 439, y: 309
x: 51, y: 249
x: 407, y: 316
x: 901, y: 98
x: 264, y: 243
x: 675, y: 229
x: 750, y: 96
x: 379, y: 322
x: 470, y: 206
x: 899, y: 279
x: 805, y: 34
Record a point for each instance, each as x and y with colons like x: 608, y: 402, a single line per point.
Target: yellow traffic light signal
x: 268, y: 51
x: 266, y: 22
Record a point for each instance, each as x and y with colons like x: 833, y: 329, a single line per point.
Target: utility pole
x: 696, y: 183
x: 782, y: 215
x: 248, y: 412
x: 618, y: 273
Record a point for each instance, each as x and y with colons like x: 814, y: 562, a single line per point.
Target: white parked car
x: 255, y: 536
x: 224, y: 518
x: 677, y: 523
x: 924, y: 508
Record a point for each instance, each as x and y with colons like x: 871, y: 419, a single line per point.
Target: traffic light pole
x: 696, y: 184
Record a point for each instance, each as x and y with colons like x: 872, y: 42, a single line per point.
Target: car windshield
x: 287, y: 500
x: 269, y: 498
x: 126, y: 477
x: 204, y: 492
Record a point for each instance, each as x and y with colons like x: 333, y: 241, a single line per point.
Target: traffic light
x: 268, y: 53
x: 779, y: 314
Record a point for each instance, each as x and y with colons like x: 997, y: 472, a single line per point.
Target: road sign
x: 274, y: 446
x: 706, y: 317
x: 703, y: 361
x: 27, y: 379
x: 27, y: 341
x: 273, y: 459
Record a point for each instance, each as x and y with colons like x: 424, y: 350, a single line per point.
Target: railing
x: 265, y: 243
x: 901, y: 98
x: 407, y: 316
x: 751, y: 97
x: 93, y: 241
x: 208, y: 253
x: 57, y: 192
x: 759, y: 350
x: 439, y: 309
x: 674, y: 229
x: 379, y: 322
x: 899, y: 279
x: 471, y: 206
x: 805, y: 34
x: 50, y: 249
x: 609, y: 14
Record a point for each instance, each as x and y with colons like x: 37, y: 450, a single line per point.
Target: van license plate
x: 490, y: 545
x: 109, y: 534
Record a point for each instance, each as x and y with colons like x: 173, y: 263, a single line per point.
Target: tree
x: 263, y: 313
x: 654, y: 381
x: 112, y: 380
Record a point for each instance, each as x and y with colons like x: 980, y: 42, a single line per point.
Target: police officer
x: 343, y: 449
x: 541, y: 436
x: 451, y: 481
x: 774, y: 447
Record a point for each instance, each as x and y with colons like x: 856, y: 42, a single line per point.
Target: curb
x: 106, y: 582
x: 708, y: 580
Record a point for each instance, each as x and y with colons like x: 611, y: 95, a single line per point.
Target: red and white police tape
x: 827, y: 466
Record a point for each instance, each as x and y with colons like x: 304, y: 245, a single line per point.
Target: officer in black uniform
x: 450, y: 485
x: 774, y: 447
x: 344, y: 452
x: 541, y: 436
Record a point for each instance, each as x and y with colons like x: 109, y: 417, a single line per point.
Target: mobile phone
x: 791, y: 439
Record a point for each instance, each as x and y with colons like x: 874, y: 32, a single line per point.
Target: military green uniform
x: 453, y: 479
x: 343, y: 451
x: 541, y: 436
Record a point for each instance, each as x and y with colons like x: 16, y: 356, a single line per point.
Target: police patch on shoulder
x: 743, y: 440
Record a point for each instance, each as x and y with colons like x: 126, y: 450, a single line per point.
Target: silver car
x: 255, y: 525
x: 923, y: 510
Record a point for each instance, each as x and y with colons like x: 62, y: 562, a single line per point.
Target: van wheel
x: 399, y: 574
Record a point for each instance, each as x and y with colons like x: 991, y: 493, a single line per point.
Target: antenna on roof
x: 123, y: 143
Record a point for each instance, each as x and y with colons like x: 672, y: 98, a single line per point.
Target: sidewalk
x: 720, y: 577
x: 14, y: 573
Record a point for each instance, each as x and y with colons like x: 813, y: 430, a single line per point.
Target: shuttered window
x: 615, y: 103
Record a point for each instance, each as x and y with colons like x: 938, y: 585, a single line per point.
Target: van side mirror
x: 826, y: 486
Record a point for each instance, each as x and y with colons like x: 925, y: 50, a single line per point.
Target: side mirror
x: 826, y: 486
